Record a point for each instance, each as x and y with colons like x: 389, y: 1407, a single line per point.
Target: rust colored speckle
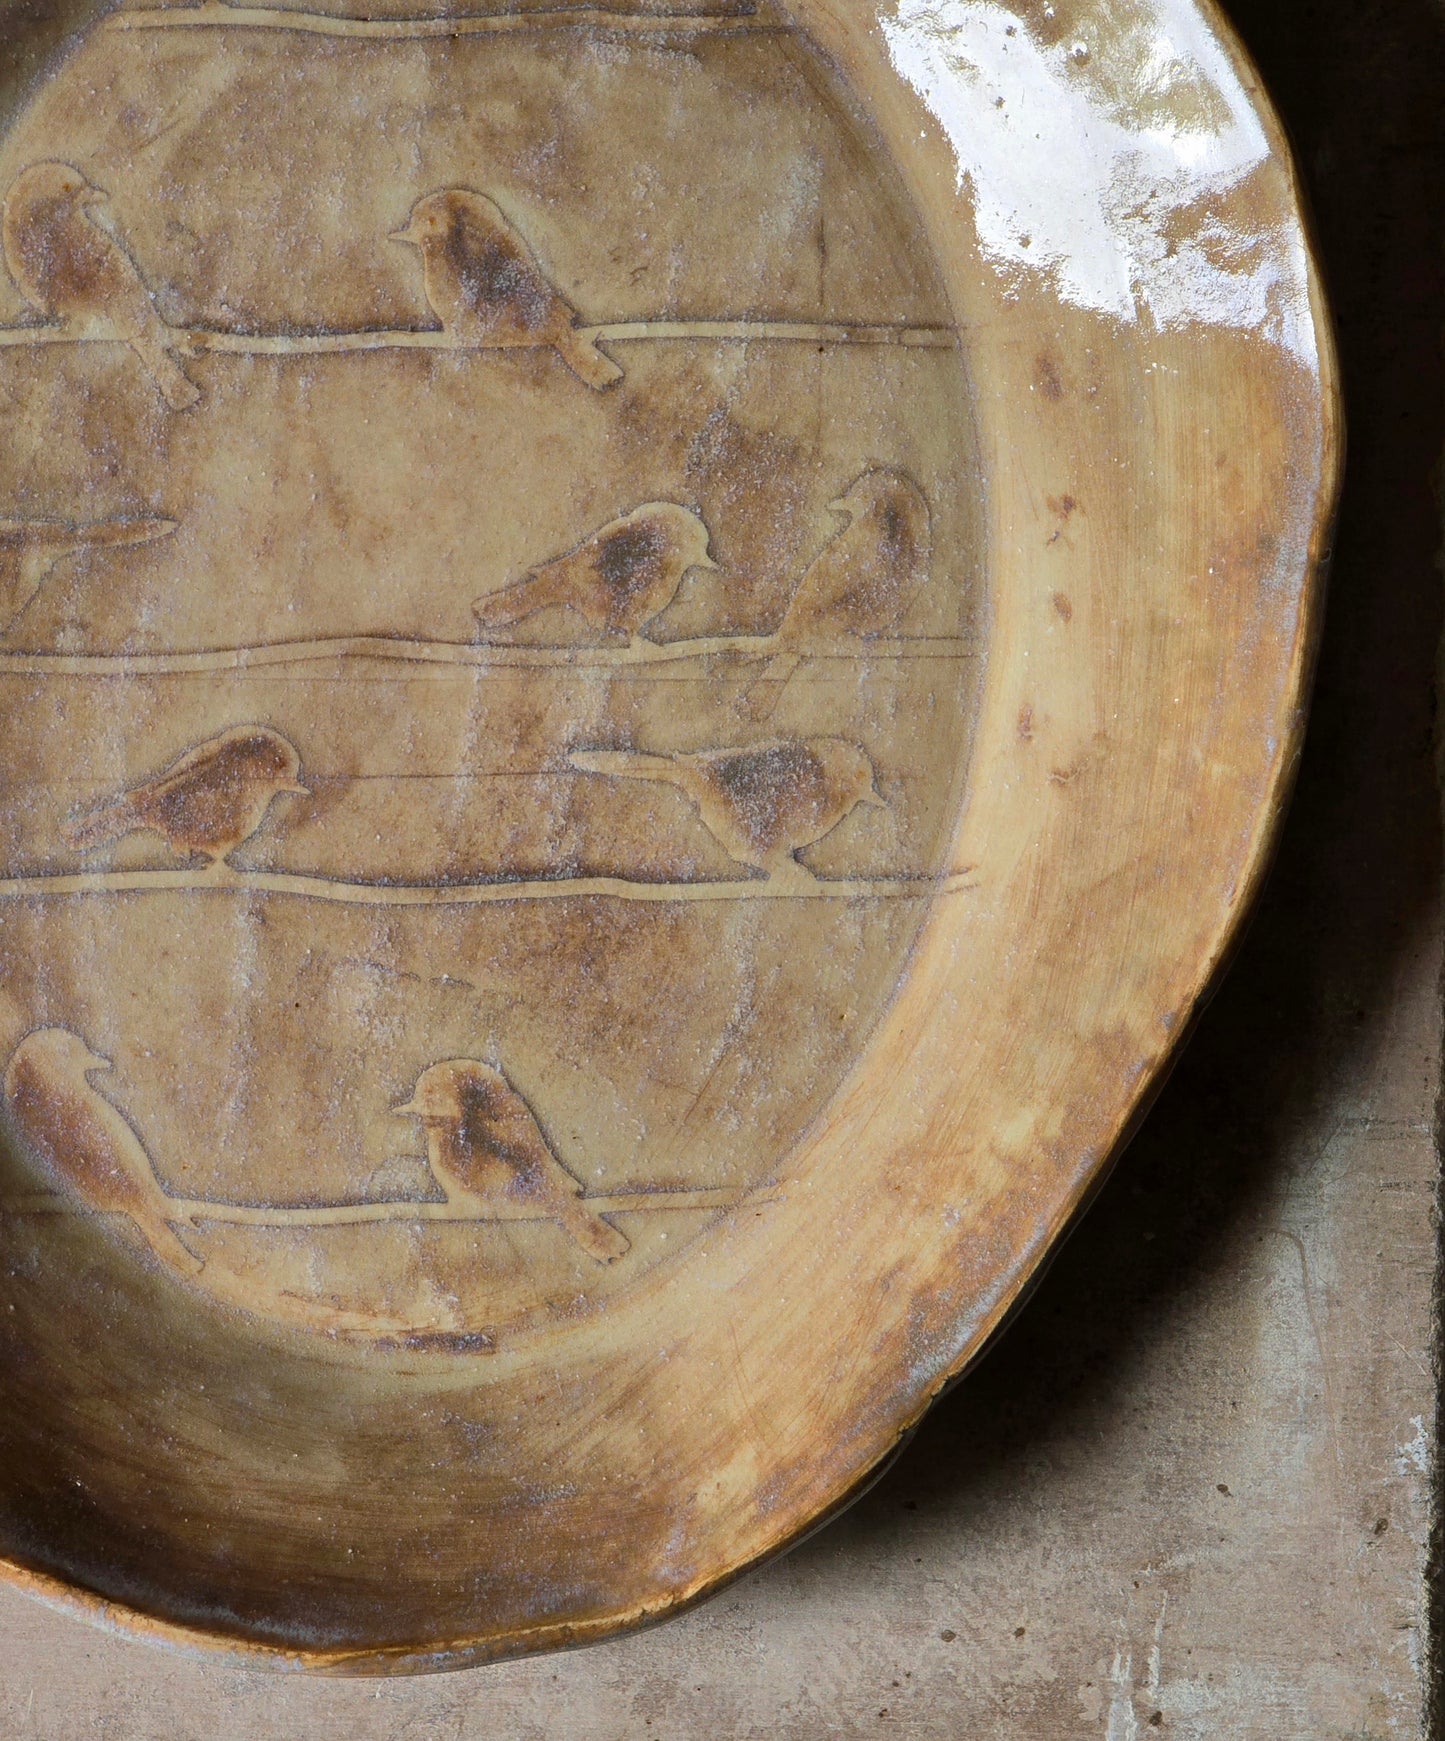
x: 40, y: 1110
x: 481, y: 1137
x: 491, y: 276
x: 1049, y: 381
x: 1063, y: 606
x: 1026, y: 724
x: 629, y: 557
x: 762, y: 786
x: 897, y: 538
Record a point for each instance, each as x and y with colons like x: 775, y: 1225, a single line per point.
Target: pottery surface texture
x: 647, y: 660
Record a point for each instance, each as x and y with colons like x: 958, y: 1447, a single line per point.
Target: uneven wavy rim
x: 218, y: 1644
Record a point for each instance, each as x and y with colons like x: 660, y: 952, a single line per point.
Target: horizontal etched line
x: 199, y: 1210
x: 470, y: 654
x: 52, y: 335
x: 787, y: 332
x: 222, y: 879
x: 473, y: 24
x: 200, y: 339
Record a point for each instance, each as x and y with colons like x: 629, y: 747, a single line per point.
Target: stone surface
x: 1194, y: 1478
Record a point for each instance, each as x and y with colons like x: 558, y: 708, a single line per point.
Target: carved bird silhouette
x: 484, y: 284
x: 70, y: 263
x: 762, y: 804
x: 619, y: 579
x: 85, y: 1141
x: 486, y: 1149
x: 29, y: 549
x: 206, y: 802
x: 862, y: 581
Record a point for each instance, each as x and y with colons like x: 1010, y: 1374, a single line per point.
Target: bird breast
x: 769, y: 792
x: 62, y: 1124
x: 61, y: 261
x: 488, y: 1168
x: 495, y: 286
x: 492, y: 1145
x: 630, y: 561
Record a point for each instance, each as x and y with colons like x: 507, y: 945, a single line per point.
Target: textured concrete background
x: 1189, y: 1493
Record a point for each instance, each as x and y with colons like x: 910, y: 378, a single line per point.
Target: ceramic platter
x: 646, y: 660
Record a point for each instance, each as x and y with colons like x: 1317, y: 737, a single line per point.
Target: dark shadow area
x: 1356, y: 881
x: 31, y: 33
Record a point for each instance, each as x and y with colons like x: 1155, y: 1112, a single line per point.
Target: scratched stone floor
x: 1188, y: 1495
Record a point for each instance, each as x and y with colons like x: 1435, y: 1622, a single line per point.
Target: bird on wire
x: 69, y: 262
x: 861, y: 582
x: 29, y: 549
x: 485, y: 286
x: 85, y: 1142
x: 762, y: 804
x: 206, y: 803
x: 620, y: 578
x: 487, y: 1151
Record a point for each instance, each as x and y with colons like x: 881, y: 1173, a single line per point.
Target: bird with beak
x: 618, y: 579
x: 763, y: 803
x: 68, y: 260
x: 485, y: 286
x: 206, y: 803
x: 487, y: 1151
x: 85, y: 1142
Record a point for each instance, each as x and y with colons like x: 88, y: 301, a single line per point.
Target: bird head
x: 53, y: 183
x: 849, y: 766
x: 435, y: 216
x: 454, y: 1090
x: 686, y: 531
x: 60, y: 1053
x: 273, y: 756
x: 430, y: 220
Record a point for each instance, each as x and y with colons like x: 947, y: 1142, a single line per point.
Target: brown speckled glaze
x: 638, y: 687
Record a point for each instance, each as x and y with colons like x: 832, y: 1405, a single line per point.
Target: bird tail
x: 30, y: 573
x: 625, y: 764
x: 598, y: 1238
x: 98, y: 827
x: 583, y: 358
x: 166, y: 1244
x: 24, y: 581
x: 523, y: 598
x: 176, y: 387
x: 114, y: 533
x: 765, y: 691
